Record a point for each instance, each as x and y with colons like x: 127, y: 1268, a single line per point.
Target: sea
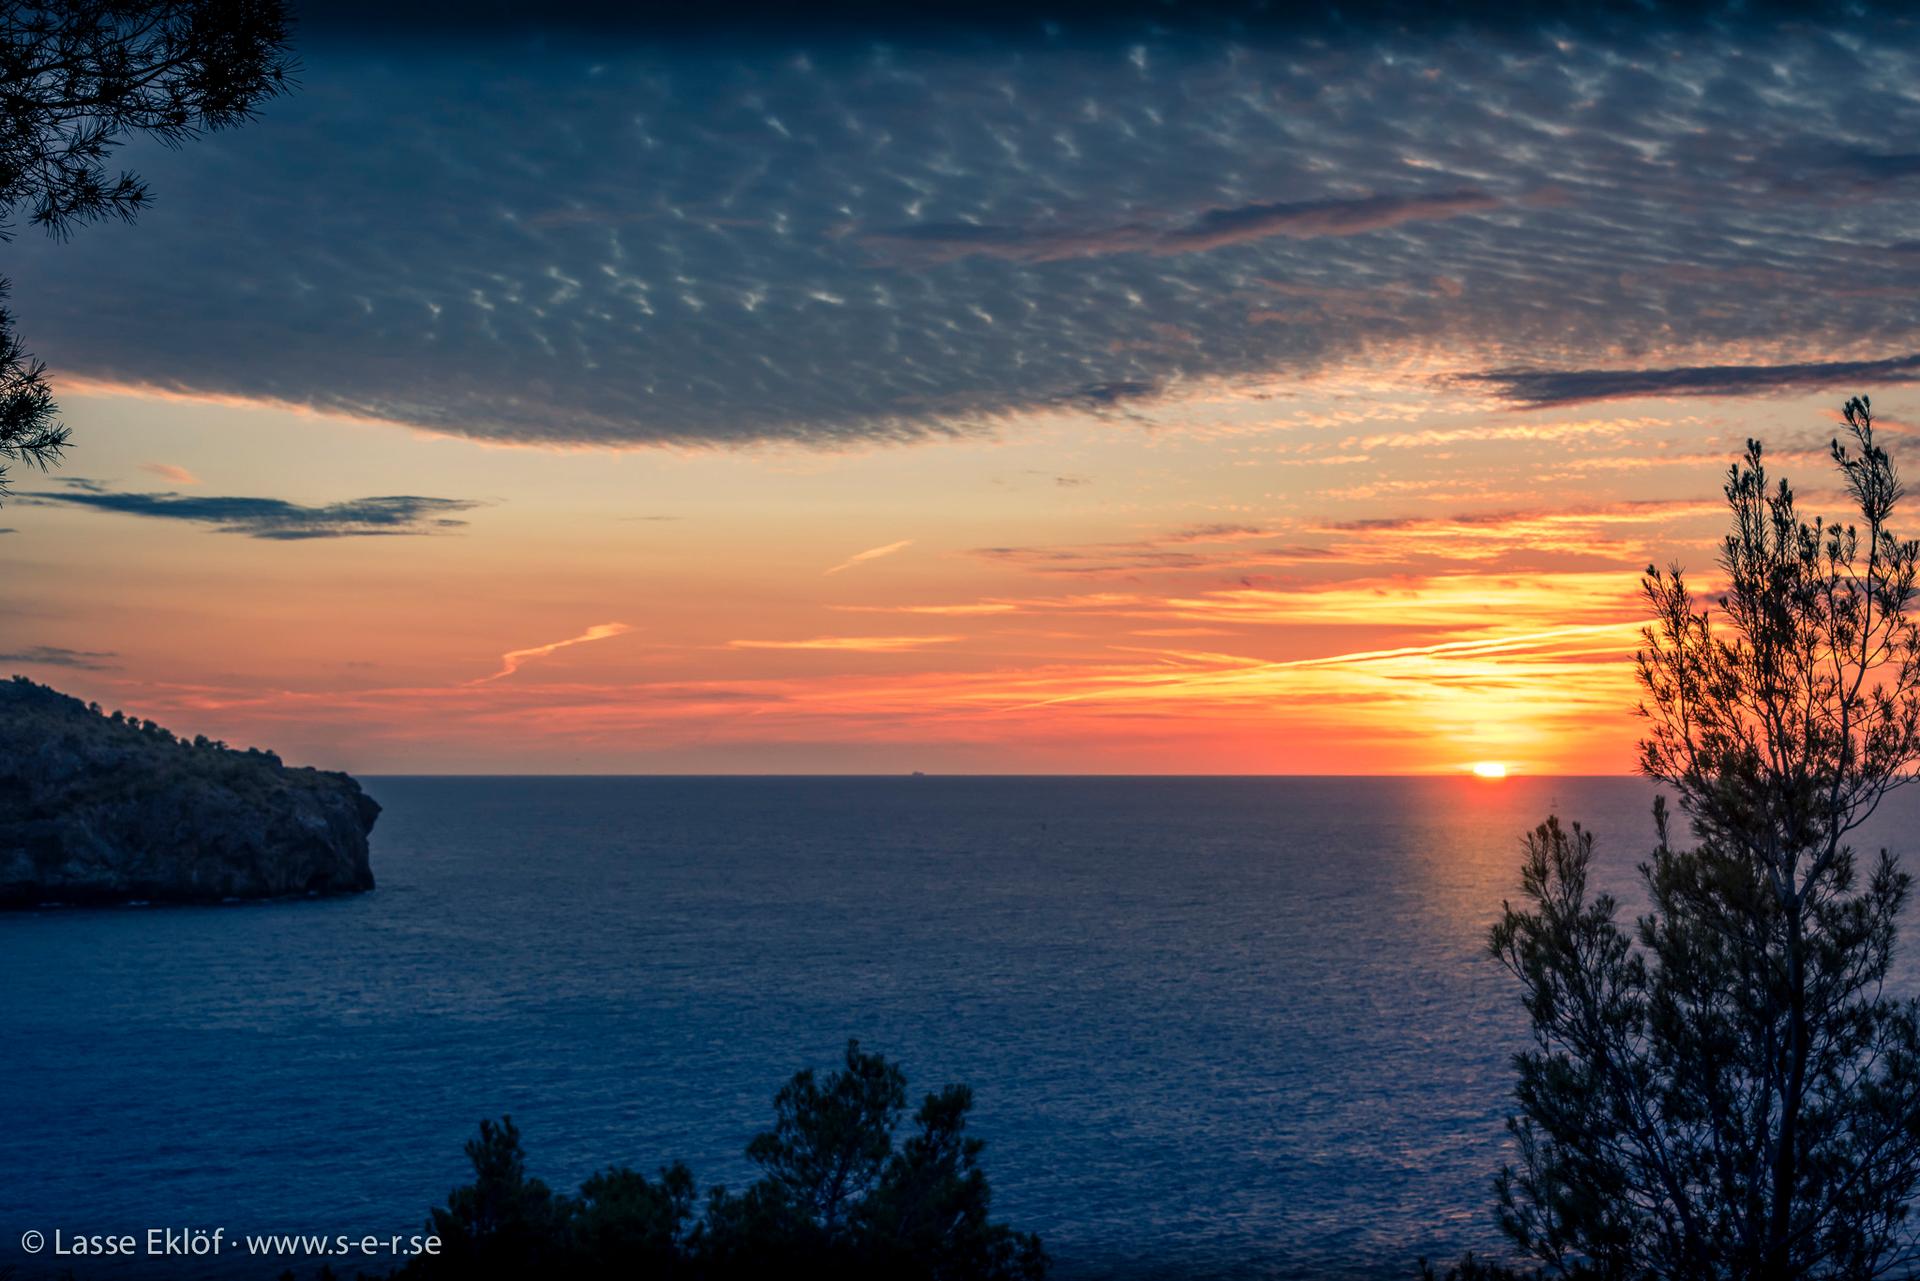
x: 1227, y: 1027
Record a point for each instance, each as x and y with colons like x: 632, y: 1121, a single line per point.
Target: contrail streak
x: 872, y: 553
x: 511, y: 660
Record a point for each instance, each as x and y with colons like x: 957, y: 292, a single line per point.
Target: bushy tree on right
x: 1725, y: 1088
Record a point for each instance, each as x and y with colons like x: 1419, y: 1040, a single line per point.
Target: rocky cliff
x: 106, y: 809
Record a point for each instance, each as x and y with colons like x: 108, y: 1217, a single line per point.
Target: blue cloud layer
x: 606, y: 240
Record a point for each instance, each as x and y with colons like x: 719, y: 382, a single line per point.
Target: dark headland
x: 98, y: 808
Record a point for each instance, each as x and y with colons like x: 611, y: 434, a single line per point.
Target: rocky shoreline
x: 100, y: 808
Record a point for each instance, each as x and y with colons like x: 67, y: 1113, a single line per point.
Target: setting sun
x: 1489, y: 769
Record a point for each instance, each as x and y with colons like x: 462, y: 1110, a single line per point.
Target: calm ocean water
x: 1215, y: 1027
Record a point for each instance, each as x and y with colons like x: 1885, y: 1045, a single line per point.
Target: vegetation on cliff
x: 98, y: 808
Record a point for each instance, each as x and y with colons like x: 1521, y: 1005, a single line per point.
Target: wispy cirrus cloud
x: 1626, y: 512
x: 970, y: 609
x: 1195, y: 547
x: 1549, y: 388
x: 171, y: 473
x: 1452, y: 604
x: 85, y: 660
x: 1312, y: 219
x: 1621, y: 529
x: 1625, y: 532
x: 1099, y: 558
x: 269, y: 518
x: 872, y: 553
x: 1226, y: 670
x: 1220, y: 532
x: 1211, y: 229
x: 1528, y: 432
x: 852, y: 644
x: 514, y: 659
x: 1450, y: 601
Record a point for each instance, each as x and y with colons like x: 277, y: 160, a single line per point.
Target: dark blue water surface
x: 1228, y: 1026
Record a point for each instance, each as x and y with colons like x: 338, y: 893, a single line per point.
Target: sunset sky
x: 1189, y: 396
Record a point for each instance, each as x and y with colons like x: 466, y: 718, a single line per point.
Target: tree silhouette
x: 30, y: 429
x: 1726, y: 1092
x: 837, y: 1195
x: 504, y: 1223
x: 625, y: 1223
x: 77, y: 78
x: 829, y: 1144
x: 836, y: 1198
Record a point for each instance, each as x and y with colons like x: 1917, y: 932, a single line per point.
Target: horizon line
x: 1464, y: 775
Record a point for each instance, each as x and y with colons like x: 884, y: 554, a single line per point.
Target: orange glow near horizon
x: 1066, y: 597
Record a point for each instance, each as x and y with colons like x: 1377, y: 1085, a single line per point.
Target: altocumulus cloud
x: 601, y: 236
x: 272, y: 518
